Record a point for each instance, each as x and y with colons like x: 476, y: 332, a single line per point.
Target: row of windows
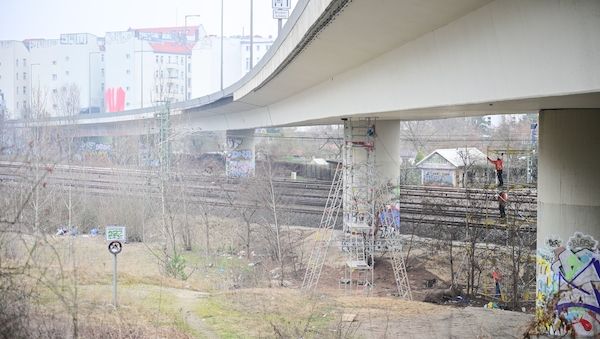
x: 161, y: 59
x: 24, y: 63
x: 257, y: 47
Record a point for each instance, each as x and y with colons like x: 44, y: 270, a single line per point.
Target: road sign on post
x: 116, y: 233
x: 279, y: 13
x: 281, y: 10
x: 115, y: 247
x: 283, y: 4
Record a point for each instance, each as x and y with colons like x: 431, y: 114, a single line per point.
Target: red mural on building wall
x: 115, y: 99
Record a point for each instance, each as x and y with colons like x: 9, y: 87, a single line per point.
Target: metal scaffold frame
x: 359, y: 215
x: 369, y: 227
x: 325, y: 232
x: 162, y: 116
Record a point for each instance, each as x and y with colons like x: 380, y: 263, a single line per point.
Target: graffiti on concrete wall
x: 240, y: 163
x: 568, y: 287
x: 438, y: 177
x: 115, y: 99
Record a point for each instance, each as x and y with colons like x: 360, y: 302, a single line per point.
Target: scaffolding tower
x: 365, y: 231
x: 359, y: 215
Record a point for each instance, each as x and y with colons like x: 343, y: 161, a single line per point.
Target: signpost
x: 281, y: 10
x: 280, y: 14
x: 115, y: 235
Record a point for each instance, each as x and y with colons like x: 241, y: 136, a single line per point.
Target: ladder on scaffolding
x: 325, y: 232
x: 358, y: 260
x: 399, y: 267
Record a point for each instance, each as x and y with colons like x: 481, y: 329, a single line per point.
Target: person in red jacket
x: 502, y: 200
x: 499, y: 166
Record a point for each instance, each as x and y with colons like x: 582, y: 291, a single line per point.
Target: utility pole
x: 251, y: 34
x: 222, y: 45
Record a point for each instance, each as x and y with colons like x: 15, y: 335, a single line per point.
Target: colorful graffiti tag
x: 568, y: 287
x: 240, y: 163
x: 115, y: 99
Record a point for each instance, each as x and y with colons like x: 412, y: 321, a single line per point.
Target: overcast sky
x: 24, y: 19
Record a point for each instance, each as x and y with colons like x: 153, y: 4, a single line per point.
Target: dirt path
x: 187, y: 302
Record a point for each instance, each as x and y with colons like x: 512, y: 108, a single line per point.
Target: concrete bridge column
x: 240, y: 158
x: 568, y: 269
x: 387, y: 149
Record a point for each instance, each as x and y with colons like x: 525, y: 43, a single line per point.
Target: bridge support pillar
x: 387, y: 149
x: 568, y: 281
x: 241, y: 158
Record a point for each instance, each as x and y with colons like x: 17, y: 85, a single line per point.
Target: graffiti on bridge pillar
x: 568, y: 287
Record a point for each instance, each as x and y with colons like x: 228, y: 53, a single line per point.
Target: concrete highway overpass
x: 414, y: 59
x: 400, y: 60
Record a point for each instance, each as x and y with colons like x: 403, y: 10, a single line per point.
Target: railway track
x: 418, y: 204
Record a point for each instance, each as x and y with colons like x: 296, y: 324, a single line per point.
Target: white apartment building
x: 13, y: 55
x: 125, y: 70
x: 206, y: 61
x: 149, y: 65
x: 260, y: 47
x: 42, y: 70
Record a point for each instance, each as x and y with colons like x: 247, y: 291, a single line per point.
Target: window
x: 66, y: 72
x: 247, y: 63
x: 17, y: 105
x: 127, y: 88
x: 162, y: 59
x: 17, y: 64
x: 102, y: 86
x: 127, y: 104
x: 24, y: 103
x: 54, y: 62
x: 156, y: 56
x: 102, y: 57
x: 169, y: 59
x: 127, y: 56
x: 127, y: 71
x: 55, y: 91
x: 24, y: 89
x: 189, y: 81
x: 102, y: 71
x: 24, y: 62
x: 55, y: 106
x: 189, y: 68
x: 24, y: 75
x: 267, y: 47
x: 258, y: 47
x: 67, y: 58
x: 54, y: 77
x: 17, y: 75
x: 181, y: 74
x: 247, y: 48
